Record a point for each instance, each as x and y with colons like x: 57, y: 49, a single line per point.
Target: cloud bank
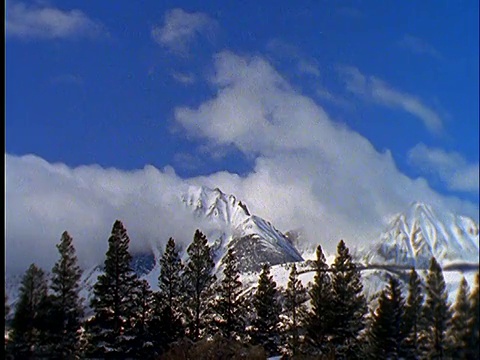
x: 180, y: 28
x: 450, y: 167
x: 310, y: 173
x: 41, y: 22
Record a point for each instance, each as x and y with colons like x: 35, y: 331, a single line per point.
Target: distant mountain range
x: 410, y: 240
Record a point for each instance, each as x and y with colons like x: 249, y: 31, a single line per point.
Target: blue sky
x: 200, y: 91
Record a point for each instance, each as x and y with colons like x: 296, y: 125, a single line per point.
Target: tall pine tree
x: 349, y: 304
x: 473, y: 346
x: 229, y: 309
x: 319, y: 318
x: 413, y: 321
x: 264, y: 329
x: 199, y: 277
x: 386, y: 334
x: 110, y: 328
x: 169, y: 312
x: 27, y: 324
x: 66, y: 310
x: 295, y: 298
x: 457, y: 334
x: 436, y: 312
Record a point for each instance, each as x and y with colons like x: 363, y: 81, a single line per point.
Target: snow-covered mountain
x: 410, y: 239
x: 230, y: 224
x: 413, y: 237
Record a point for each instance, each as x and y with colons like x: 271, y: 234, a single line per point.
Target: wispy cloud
x: 180, y: 28
x: 42, y: 22
x: 304, y: 64
x: 185, y: 79
x: 308, y: 67
x: 457, y: 173
x: 374, y: 89
x: 419, y: 46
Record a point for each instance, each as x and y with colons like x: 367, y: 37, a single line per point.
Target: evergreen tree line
x: 328, y: 319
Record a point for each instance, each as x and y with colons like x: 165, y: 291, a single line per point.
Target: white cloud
x: 43, y: 200
x: 450, y: 167
x: 42, y: 22
x: 419, y: 46
x: 180, y: 28
x: 374, y: 89
x: 309, y: 173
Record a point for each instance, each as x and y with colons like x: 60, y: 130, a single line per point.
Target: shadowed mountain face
x: 413, y: 237
x: 143, y: 263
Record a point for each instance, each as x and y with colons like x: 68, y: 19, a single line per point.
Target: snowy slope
x: 413, y: 237
x: 230, y: 224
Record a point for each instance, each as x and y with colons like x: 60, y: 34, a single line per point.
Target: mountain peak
x: 230, y: 224
x: 423, y: 231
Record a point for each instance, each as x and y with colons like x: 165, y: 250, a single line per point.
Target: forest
x: 195, y: 315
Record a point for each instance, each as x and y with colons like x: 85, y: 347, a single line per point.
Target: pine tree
x: 140, y: 342
x: 386, y: 334
x: 264, y: 330
x: 110, y: 328
x: 295, y: 298
x: 229, y: 316
x: 473, y: 345
x: 318, y: 320
x: 413, y: 322
x: 457, y: 335
x: 26, y: 331
x: 66, y: 310
x: 171, y: 292
x: 436, y: 312
x: 199, y: 277
x: 349, y: 304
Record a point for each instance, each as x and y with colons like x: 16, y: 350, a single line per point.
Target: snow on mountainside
x: 230, y: 224
x: 226, y: 222
x: 410, y: 239
x: 413, y: 237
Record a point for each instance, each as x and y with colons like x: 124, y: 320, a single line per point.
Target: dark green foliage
x: 458, y: 334
x: 386, y: 335
x: 110, y: 328
x: 264, y: 329
x: 199, y: 277
x: 473, y: 345
x: 295, y: 298
x: 413, y: 322
x: 27, y: 329
x: 66, y: 310
x: 217, y: 348
x: 349, y: 304
x: 436, y: 312
x: 229, y: 317
x: 319, y: 319
x: 168, y: 309
x: 140, y: 342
